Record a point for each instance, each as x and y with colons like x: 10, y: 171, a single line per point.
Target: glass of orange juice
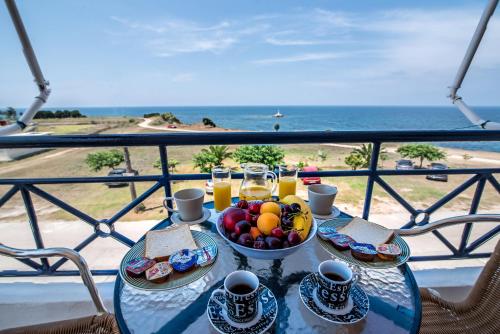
x: 221, y: 177
x: 287, y: 180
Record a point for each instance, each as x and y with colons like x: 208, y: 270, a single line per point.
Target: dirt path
x: 145, y: 125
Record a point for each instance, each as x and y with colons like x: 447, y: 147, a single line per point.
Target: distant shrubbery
x: 269, y: 155
x: 153, y: 114
x: 208, y: 122
x: 43, y: 114
x: 170, y: 118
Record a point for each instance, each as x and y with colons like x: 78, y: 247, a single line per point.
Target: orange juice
x: 255, y: 193
x: 287, y: 186
x: 222, y: 195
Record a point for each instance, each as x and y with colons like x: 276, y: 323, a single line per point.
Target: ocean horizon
x: 311, y: 118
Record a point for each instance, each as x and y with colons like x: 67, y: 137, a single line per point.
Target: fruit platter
x: 267, y: 229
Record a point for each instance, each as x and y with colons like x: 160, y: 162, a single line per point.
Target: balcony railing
x: 417, y: 216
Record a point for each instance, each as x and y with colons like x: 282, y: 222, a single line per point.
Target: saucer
x: 359, y: 309
x: 176, y: 218
x: 267, y: 313
x: 334, y: 214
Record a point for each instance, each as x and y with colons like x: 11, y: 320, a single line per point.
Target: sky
x: 260, y: 52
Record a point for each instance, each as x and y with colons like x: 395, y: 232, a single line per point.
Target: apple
x: 231, y: 217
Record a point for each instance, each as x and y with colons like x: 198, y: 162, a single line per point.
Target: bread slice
x: 161, y: 244
x: 365, y: 232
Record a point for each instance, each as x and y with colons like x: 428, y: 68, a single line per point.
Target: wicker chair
x: 479, y: 312
x: 101, y: 323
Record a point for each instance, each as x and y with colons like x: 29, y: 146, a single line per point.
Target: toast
x: 365, y: 232
x: 163, y: 243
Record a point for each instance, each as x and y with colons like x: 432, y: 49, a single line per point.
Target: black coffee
x: 334, y: 277
x: 241, y: 289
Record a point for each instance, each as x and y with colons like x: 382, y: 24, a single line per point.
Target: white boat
x: 278, y: 114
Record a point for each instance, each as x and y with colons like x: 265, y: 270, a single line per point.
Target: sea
x: 333, y: 118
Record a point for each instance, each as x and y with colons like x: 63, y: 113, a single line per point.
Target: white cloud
x: 298, y: 42
x: 299, y: 58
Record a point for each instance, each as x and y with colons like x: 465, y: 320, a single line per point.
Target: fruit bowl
x: 268, y: 253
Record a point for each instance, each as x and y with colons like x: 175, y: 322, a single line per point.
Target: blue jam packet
x: 363, y: 248
x: 206, y: 255
x: 183, y: 260
x: 326, y: 232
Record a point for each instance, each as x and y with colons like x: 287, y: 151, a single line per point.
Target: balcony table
x: 393, y: 294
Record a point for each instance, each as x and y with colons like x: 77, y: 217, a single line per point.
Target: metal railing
x: 418, y: 217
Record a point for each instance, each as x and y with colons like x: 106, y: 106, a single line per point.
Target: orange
x: 266, y: 222
x: 271, y: 207
x: 254, y: 232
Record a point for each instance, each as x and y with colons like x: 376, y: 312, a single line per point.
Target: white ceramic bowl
x: 266, y: 254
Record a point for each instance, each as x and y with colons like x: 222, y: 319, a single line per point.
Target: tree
x: 10, y: 113
x: 133, y: 192
x: 269, y: 155
x: 355, y: 160
x: 170, y: 118
x: 211, y: 157
x: 421, y: 151
x: 171, y: 164
x: 208, y: 122
x: 98, y: 160
x: 365, y: 153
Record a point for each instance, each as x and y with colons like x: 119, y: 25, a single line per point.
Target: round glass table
x: 393, y: 295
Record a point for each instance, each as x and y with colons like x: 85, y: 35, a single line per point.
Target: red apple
x: 231, y: 217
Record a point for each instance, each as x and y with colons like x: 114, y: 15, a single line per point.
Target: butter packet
x: 326, y: 232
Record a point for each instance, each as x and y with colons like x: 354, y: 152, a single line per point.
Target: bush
x: 422, y: 152
x: 211, y: 157
x: 46, y: 114
x: 208, y: 122
x: 269, y: 155
x: 355, y: 160
x: 153, y: 114
x: 171, y: 164
x: 170, y: 118
x: 98, y: 160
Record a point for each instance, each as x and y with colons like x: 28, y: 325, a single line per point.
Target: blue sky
x: 145, y: 53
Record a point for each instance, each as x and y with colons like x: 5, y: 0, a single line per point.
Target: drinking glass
x: 221, y: 177
x: 287, y: 181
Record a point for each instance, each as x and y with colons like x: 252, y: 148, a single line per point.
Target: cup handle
x: 215, y: 300
x: 165, y: 204
x: 275, y: 183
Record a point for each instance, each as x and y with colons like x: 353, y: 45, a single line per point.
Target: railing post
x: 166, y: 173
x: 30, y: 211
x: 371, y: 179
x: 473, y: 209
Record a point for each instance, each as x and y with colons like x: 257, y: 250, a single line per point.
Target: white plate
x: 176, y: 219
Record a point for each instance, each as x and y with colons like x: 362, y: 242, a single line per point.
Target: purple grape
x: 233, y: 236
x: 294, y: 238
x: 259, y: 244
x: 245, y: 240
x: 273, y: 243
x: 286, y: 223
x: 286, y: 244
x: 295, y: 207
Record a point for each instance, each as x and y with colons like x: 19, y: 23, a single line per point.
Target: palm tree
x: 219, y: 153
x: 365, y: 152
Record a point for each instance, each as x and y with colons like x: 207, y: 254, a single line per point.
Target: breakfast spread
x: 366, y: 241
x: 183, y: 260
x: 138, y: 266
x: 363, y: 252
x: 268, y: 224
x: 159, y: 272
x: 388, y: 252
x: 168, y: 250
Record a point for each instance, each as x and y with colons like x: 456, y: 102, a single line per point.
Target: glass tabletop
x: 393, y: 295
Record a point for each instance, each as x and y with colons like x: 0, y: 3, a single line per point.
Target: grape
x: 295, y: 207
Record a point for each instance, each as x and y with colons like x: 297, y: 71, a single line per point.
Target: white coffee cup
x: 321, y: 197
x: 189, y: 203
